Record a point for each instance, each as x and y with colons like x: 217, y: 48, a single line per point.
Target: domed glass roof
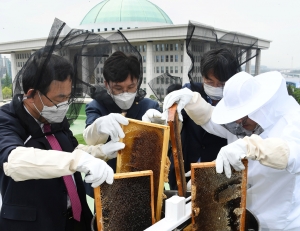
x: 126, y: 11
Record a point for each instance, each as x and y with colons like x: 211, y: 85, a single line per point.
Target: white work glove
x: 110, y: 125
x: 97, y: 170
x: 189, y: 184
x: 231, y: 154
x: 110, y: 149
x: 182, y: 97
x: 153, y: 116
x: 103, y: 151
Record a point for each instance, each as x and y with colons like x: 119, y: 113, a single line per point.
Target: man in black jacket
x: 217, y: 66
x: 40, y: 182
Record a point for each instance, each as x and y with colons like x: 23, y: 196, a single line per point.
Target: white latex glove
x: 189, y: 184
x: 110, y: 125
x: 153, y: 116
x: 182, y: 97
x: 110, y: 149
x: 97, y: 170
x: 231, y: 154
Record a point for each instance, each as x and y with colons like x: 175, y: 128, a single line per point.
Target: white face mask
x: 123, y: 100
x: 215, y: 93
x: 53, y: 114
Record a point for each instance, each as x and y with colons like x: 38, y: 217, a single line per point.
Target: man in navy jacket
x: 122, y: 95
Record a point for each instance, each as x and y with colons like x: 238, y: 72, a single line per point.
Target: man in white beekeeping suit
x: 261, y: 123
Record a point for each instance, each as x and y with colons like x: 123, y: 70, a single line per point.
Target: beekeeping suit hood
x: 263, y: 98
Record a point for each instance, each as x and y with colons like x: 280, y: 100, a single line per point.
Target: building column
x: 84, y: 70
x: 149, y: 67
x: 186, y: 65
x: 248, y: 63
x: 14, y: 70
x: 206, y: 47
x: 13, y: 61
x: 257, y: 61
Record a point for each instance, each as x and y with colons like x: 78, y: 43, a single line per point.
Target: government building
x: 161, y: 44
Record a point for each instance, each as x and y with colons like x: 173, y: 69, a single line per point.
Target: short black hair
x: 119, y: 65
x: 57, y: 68
x: 221, y: 62
x: 173, y: 87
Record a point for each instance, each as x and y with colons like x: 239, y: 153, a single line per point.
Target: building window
x: 120, y: 28
x: 162, y: 69
x: 141, y: 48
x: 112, y: 28
x: 176, y: 47
x: 167, y: 58
x: 144, y: 69
x: 162, y: 47
x: 167, y: 47
x: 171, y: 81
x: 92, y: 30
x: 162, y: 80
x: 157, y: 80
x: 176, y: 69
x: 144, y: 59
x: 144, y: 48
x: 128, y: 27
x: 157, y: 58
x: 181, y: 59
x: 162, y: 58
x: 176, y: 58
x: 181, y: 45
x: 171, y: 58
x: 105, y: 29
x: 167, y: 69
x: 181, y: 69
x: 145, y: 80
x: 171, y: 47
x: 157, y: 69
x: 171, y: 69
x: 157, y: 47
x: 167, y: 80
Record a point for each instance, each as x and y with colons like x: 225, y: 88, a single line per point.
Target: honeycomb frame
x: 146, y: 148
x: 116, y: 211
x: 218, y: 203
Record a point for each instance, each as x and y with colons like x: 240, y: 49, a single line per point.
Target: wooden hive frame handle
x: 173, y: 122
x: 98, y: 206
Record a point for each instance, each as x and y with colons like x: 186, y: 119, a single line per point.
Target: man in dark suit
x: 40, y: 182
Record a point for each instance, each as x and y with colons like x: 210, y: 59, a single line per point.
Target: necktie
x: 70, y: 185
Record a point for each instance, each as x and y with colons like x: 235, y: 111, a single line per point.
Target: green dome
x: 109, y: 11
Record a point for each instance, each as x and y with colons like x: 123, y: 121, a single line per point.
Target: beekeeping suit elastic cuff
x: 33, y: 163
x: 198, y: 109
x: 271, y: 152
x: 94, y: 150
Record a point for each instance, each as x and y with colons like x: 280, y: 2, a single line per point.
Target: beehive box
x: 218, y: 203
x: 127, y: 204
x: 146, y: 147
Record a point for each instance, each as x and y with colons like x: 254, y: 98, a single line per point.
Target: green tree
x: 6, y: 81
x: 6, y: 92
x: 295, y: 92
x: 153, y: 97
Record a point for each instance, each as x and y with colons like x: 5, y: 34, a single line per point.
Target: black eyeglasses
x: 70, y: 100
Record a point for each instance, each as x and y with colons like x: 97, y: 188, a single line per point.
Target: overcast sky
x: 275, y: 20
